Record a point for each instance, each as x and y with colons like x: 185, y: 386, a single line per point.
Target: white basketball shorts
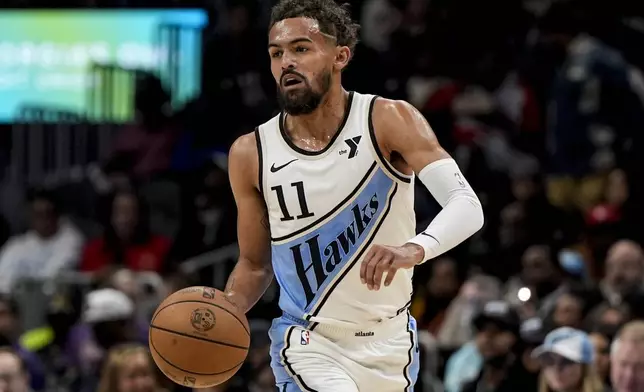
x: 384, y: 358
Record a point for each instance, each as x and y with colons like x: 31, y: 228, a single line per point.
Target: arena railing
x: 216, y: 259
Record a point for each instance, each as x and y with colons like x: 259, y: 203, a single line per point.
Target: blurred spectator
x: 497, y: 342
x: 624, y: 271
x: 615, y: 199
x: 127, y: 240
x: 540, y: 273
x: 431, y: 301
x: 124, y: 280
x: 601, y: 346
x: 566, y: 358
x: 50, y: 343
x: 568, y: 311
x: 52, y: 245
x: 607, y: 317
x: 237, y: 83
x: 148, y: 143
x: 532, y: 335
x: 494, y: 319
x: 15, y: 377
x: 594, y: 107
x: 627, y: 358
x: 380, y: 18
x: 116, y: 172
x: 9, y: 336
x: 108, y: 320
x: 210, y: 218
x: 129, y: 368
x: 474, y: 294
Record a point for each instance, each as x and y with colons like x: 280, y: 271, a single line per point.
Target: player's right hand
x: 383, y: 259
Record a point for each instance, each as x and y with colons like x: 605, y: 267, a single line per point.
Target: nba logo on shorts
x: 304, y: 338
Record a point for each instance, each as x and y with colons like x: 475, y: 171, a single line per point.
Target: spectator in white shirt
x: 50, y: 246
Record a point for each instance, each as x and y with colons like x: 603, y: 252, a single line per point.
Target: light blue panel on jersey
x: 414, y: 355
x: 306, y: 265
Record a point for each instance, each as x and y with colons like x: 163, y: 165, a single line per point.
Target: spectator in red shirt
x: 127, y: 240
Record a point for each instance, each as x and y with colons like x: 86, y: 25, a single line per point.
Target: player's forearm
x: 247, y: 284
x: 461, y: 216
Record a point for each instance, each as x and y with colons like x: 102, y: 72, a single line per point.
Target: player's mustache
x: 290, y: 72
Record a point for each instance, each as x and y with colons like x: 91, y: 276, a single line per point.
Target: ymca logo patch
x: 353, y: 146
x: 305, y: 338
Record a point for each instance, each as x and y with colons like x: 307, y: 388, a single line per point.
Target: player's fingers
x: 390, y: 275
x: 382, y: 266
x: 365, y: 263
x: 370, y: 270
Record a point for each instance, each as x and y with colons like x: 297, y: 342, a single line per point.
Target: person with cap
x: 108, y: 320
x: 566, y: 358
x: 498, y: 327
x: 532, y: 336
x: 496, y: 323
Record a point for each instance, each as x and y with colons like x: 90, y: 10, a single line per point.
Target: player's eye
x: 276, y: 54
x: 301, y: 49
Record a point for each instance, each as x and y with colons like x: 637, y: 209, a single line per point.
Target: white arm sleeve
x: 461, y: 216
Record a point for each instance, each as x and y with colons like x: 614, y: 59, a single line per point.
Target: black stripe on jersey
x: 357, y: 257
x: 288, y: 365
x: 431, y: 236
x: 292, y: 145
x: 333, y: 210
x: 405, y: 307
x: 372, y: 134
x: 260, y: 159
x: 410, y: 356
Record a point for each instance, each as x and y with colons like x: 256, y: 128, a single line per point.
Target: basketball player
x: 325, y: 193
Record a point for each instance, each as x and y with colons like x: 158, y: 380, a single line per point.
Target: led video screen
x: 47, y: 58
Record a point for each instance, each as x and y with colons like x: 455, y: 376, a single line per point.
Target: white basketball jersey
x: 326, y: 209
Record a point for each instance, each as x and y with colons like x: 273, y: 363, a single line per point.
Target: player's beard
x: 306, y: 99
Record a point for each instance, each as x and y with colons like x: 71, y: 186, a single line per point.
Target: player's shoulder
x: 247, y: 147
x: 392, y: 110
x: 243, y: 156
x: 393, y: 118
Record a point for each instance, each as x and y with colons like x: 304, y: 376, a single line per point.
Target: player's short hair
x: 632, y: 332
x: 334, y: 19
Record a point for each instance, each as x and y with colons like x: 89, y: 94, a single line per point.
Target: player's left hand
x: 383, y: 259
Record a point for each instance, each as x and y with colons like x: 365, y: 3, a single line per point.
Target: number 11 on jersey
x: 301, y: 197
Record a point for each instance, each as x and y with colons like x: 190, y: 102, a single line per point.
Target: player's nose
x: 288, y: 62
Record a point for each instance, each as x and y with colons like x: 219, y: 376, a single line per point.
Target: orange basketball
x: 198, y: 338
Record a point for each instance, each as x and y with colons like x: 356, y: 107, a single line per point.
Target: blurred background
x: 116, y: 117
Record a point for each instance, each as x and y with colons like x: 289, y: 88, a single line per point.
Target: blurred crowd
x: 541, y: 103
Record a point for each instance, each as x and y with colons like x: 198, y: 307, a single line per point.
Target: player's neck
x: 324, y: 122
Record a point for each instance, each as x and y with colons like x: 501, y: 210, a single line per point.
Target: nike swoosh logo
x: 275, y: 169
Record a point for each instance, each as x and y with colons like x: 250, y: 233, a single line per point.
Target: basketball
x: 197, y: 338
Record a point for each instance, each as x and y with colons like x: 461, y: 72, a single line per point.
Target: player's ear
x: 342, y: 57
